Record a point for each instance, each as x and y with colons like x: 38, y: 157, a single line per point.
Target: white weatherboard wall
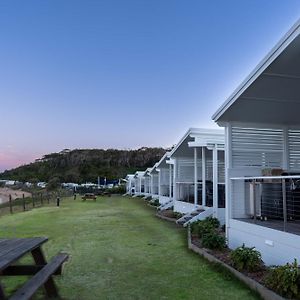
x: 199, y: 171
x: 262, y: 125
x: 164, y: 185
x: 277, y: 247
x: 130, y: 184
x: 252, y: 150
x: 147, y: 183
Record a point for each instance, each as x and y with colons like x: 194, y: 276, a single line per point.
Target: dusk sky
x: 124, y: 74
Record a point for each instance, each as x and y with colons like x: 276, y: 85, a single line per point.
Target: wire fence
x: 273, y: 202
x: 38, y: 199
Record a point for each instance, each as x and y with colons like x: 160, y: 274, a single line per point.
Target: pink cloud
x: 10, y: 159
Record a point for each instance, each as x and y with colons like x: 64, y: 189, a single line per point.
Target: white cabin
x: 165, y: 179
x: 147, y: 183
x: 199, y: 169
x: 154, y: 182
x: 262, y: 130
x: 130, y: 184
x: 139, y: 182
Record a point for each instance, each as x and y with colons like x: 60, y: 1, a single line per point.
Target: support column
x: 203, y: 177
x: 228, y: 183
x: 141, y: 185
x: 215, y: 181
x: 159, y: 180
x: 174, y: 180
x: 195, y: 177
x: 285, y: 148
x: 170, y: 181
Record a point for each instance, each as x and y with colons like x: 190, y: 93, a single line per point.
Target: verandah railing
x: 273, y: 201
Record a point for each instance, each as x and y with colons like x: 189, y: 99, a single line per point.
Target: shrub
x: 245, y: 258
x: 177, y: 215
x: 154, y: 202
x: 194, y: 227
x: 205, y: 226
x: 213, y: 221
x: 213, y: 240
x: 285, y: 280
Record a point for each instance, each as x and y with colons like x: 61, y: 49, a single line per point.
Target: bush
x: 245, y: 258
x: 213, y: 240
x: 177, y: 215
x: 285, y: 280
x: 213, y: 221
x: 205, y: 226
x: 154, y: 202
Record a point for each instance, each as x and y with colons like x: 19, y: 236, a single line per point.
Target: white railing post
x: 174, y: 180
x: 159, y: 180
x: 170, y: 181
x: 195, y: 177
x: 284, y: 204
x: 203, y: 177
x: 254, y: 199
x: 215, y: 181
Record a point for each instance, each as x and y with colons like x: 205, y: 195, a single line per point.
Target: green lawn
x: 120, y: 250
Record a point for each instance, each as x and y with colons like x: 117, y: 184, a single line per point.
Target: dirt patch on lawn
x: 5, y: 192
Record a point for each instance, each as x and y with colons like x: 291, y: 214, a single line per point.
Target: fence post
x: 33, y: 203
x: 41, y: 198
x: 10, y: 204
x: 284, y: 204
x: 24, y: 207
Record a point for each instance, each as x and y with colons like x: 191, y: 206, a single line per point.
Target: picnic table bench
x: 11, y: 250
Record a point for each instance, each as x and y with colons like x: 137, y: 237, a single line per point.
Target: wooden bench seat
x: 41, y: 278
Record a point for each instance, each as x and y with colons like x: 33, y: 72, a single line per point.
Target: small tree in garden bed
x: 177, y: 215
x: 213, y: 240
x: 285, y: 280
x: 245, y: 258
x: 208, y: 230
x: 154, y: 202
x: 205, y: 226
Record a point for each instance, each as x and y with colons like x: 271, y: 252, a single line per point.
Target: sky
x: 124, y: 74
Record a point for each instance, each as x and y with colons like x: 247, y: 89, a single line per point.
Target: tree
x: 53, y: 183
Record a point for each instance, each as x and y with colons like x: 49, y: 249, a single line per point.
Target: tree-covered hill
x: 85, y: 165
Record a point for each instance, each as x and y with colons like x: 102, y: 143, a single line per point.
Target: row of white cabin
x: 262, y: 137
x: 190, y: 177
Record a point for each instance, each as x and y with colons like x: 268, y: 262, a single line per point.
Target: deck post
x: 203, y: 177
x: 284, y: 204
x: 253, y: 182
x: 175, y: 180
x: 170, y: 181
x: 215, y: 181
x: 159, y: 180
x: 140, y: 179
x: 195, y: 177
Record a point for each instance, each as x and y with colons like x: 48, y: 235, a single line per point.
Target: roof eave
x: 266, y: 61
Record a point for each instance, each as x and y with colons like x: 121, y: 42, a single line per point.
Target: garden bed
x: 167, y: 215
x: 252, y: 279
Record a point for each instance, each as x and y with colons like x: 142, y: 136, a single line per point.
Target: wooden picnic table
x: 11, y: 250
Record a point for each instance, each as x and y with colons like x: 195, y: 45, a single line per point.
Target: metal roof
x: 162, y: 162
x: 200, y: 137
x: 270, y: 94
